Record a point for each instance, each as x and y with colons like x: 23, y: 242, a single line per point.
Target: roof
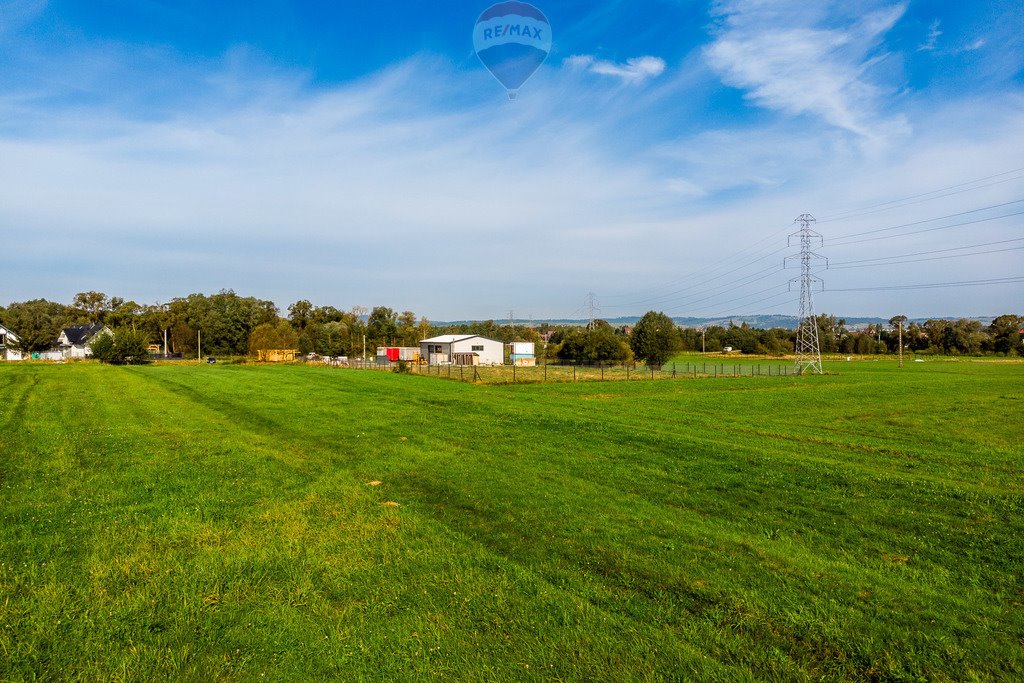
x: 80, y: 334
x: 9, y: 332
x: 452, y: 338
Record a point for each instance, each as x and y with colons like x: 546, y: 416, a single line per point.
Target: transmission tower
x: 808, y: 350
x: 593, y: 308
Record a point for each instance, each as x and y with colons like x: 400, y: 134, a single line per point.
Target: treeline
x: 939, y: 337
x: 226, y: 323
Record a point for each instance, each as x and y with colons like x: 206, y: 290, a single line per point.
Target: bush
x: 123, y: 347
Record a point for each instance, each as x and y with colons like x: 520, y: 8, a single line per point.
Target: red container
x: 393, y: 353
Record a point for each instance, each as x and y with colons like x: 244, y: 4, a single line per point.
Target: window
x: 478, y: 347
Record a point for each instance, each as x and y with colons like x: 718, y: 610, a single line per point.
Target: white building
x: 462, y: 349
x: 74, y: 341
x: 7, y: 339
x: 522, y: 353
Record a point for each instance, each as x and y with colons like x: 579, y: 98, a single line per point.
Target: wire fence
x: 582, y: 372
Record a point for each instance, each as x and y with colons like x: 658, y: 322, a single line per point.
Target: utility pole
x: 898, y: 321
x: 199, y: 345
x: 808, y: 349
x: 703, y: 330
x: 901, y: 343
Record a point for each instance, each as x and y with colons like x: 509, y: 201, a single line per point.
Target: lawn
x: 299, y: 523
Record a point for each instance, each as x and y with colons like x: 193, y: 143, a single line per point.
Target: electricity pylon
x: 808, y: 350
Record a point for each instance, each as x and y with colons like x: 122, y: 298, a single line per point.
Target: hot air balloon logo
x: 512, y: 39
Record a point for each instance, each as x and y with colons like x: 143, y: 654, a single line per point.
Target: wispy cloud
x: 401, y: 186
x: 932, y: 39
x: 974, y: 45
x: 635, y: 70
x: 804, y: 61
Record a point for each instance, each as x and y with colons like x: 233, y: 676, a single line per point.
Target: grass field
x: 293, y: 523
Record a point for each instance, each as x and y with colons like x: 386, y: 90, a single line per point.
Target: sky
x: 359, y: 153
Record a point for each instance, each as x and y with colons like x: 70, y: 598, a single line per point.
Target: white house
x: 462, y: 349
x: 74, y: 341
x: 7, y: 339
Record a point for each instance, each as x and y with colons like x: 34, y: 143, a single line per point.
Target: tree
x: 598, y: 343
x: 300, y: 313
x: 963, y: 336
x: 831, y: 332
x: 655, y: 338
x: 407, y: 328
x: 1004, y: 334
x: 273, y: 335
x: 424, y: 330
x: 124, y: 346
x: 124, y: 314
x: 382, y: 326
x: 225, y: 319
x: 90, y: 307
x: 37, y: 323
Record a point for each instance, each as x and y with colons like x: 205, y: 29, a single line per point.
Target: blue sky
x: 359, y: 153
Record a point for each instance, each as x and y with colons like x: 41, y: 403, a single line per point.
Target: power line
x: 788, y: 294
x: 738, y: 313
x: 839, y: 216
x: 729, y: 301
x: 866, y: 263
x: 668, y: 295
x: 706, y: 271
x: 937, y: 285
x: 724, y: 289
x: 927, y: 220
x: 924, y: 230
x: 934, y: 251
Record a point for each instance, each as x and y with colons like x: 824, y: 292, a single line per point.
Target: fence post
x: 513, y: 372
x: 602, y: 372
x: 673, y: 371
x: 545, y: 369
x: 652, y: 372
x: 462, y: 376
x: 476, y: 375
x: 573, y: 372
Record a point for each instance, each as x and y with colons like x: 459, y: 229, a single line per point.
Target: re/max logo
x: 512, y: 30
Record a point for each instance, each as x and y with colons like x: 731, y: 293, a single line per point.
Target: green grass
x: 218, y: 523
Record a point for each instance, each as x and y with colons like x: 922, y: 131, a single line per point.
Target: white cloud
x: 932, y: 39
x: 399, y: 188
x: 635, y: 70
x: 974, y: 45
x: 800, y: 61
